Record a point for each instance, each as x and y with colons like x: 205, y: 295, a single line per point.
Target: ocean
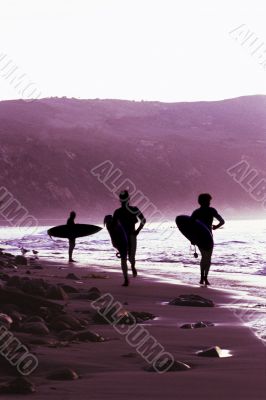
x: 163, y: 254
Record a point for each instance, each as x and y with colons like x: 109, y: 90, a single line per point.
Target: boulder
x: 34, y: 288
x: 85, y: 296
x: 203, y: 324
x: 19, y: 385
x: 72, y: 276
x: 71, y: 321
x: 191, y: 300
x: 55, y: 292
x: 27, y: 301
x: 11, y: 266
x: 36, y: 328
x: 94, y: 289
x: 39, y: 282
x: 83, y: 323
x: 37, y: 266
x: 69, y: 289
x: 6, y: 320
x: 187, y: 326
x: 142, y: 316
x: 8, y: 255
x: 121, y: 316
x: 16, y: 316
x: 46, y: 341
x: 21, y: 260
x: 67, y: 335
x: 93, y: 295
x: 59, y: 326
x: 200, y: 324
x: 66, y: 374
x: 175, y: 366
x: 113, y: 315
x: 88, y: 336
x: 211, y: 352
x: 35, y: 318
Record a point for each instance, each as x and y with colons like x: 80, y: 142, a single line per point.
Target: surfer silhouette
x: 128, y: 216
x: 72, y: 240
x: 206, y: 214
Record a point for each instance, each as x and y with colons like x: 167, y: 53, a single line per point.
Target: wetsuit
x: 128, y: 216
x: 206, y: 214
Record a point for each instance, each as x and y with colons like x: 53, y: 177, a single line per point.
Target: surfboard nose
x: 180, y: 219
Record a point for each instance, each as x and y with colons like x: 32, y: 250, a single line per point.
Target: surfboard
x: 118, y: 236
x: 195, y: 231
x: 73, y: 231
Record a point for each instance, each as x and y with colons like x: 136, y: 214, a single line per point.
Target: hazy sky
x: 167, y: 50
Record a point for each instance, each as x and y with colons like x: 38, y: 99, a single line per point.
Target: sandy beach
x: 113, y: 368
x: 133, y: 200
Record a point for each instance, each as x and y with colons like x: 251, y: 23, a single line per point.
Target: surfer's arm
x: 220, y: 219
x: 115, y: 217
x: 142, y: 222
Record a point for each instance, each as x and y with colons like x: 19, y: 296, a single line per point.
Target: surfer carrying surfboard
x: 206, y: 214
x: 128, y: 216
x: 72, y: 240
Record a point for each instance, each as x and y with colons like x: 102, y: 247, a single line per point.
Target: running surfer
x: 206, y: 214
x: 72, y: 240
x: 128, y: 216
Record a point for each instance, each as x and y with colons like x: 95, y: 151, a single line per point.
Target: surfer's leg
x: 202, y: 266
x: 208, y: 265
x: 132, y: 253
x: 124, y: 269
x: 205, y: 264
x: 201, y: 273
x: 72, y: 244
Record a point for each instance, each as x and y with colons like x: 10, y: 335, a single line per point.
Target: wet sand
x: 113, y: 369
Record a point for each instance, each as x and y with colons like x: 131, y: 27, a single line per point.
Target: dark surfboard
x: 195, y: 231
x: 73, y: 231
x: 118, y: 236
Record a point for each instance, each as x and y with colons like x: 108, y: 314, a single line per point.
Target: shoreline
x: 250, y: 308
x: 113, y: 369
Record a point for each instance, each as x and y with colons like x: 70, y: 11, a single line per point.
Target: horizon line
x: 130, y: 100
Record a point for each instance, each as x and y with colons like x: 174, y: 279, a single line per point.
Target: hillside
x: 170, y: 151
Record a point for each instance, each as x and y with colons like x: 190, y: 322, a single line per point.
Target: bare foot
x: 134, y: 272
